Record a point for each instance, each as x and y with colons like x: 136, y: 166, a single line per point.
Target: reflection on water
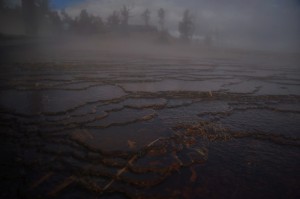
x: 212, y: 130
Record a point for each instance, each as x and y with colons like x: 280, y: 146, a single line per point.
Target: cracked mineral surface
x: 150, y: 128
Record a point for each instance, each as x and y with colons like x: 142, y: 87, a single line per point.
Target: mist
x: 270, y: 25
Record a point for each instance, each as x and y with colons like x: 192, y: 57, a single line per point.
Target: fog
x: 270, y: 25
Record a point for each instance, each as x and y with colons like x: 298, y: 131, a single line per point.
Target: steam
x: 256, y: 24
x: 268, y: 24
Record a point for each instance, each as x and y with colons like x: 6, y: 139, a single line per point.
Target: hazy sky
x: 262, y: 21
x: 64, y: 3
x: 272, y: 22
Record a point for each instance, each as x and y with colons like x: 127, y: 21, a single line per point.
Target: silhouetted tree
x: 56, y: 22
x: 186, y: 26
x: 84, y: 22
x: 164, y: 36
x: 146, y: 17
x: 65, y: 16
x: 97, y: 25
x: 125, y: 15
x: 84, y: 17
x: 67, y: 22
x: 161, y: 18
x: 88, y: 24
x: 113, y: 19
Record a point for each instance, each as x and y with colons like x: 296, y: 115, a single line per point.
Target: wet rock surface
x: 145, y: 128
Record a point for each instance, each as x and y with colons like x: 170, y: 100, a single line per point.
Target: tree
x: 161, y: 18
x: 84, y: 17
x: 187, y: 26
x: 67, y: 21
x: 146, y: 17
x: 83, y: 21
x: 65, y: 16
x: 113, y: 19
x: 125, y: 15
x: 96, y: 24
x: 56, y: 22
x: 87, y: 23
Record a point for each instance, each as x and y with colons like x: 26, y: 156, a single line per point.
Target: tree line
x: 37, y: 14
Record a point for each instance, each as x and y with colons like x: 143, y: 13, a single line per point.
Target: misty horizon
x: 260, y: 25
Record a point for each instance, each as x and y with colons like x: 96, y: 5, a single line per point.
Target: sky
x: 60, y: 4
x: 56, y: 4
